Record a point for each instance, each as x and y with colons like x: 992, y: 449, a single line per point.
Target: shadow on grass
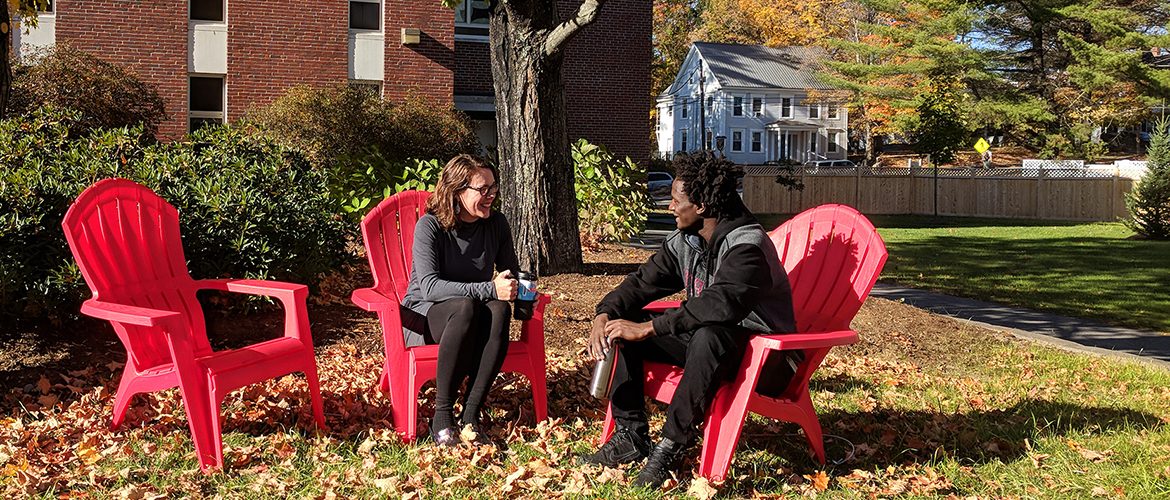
x: 929, y: 222
x: 883, y: 437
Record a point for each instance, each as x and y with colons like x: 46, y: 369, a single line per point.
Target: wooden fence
x: 1053, y: 194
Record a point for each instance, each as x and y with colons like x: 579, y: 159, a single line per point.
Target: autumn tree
x: 1069, y: 67
x: 528, y: 39
x: 675, y: 26
x: 940, y: 127
x: 26, y: 11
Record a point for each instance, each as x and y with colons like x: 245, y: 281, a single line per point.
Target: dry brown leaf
x: 1099, y: 491
x: 1094, y: 456
x: 702, y: 489
x: 820, y: 480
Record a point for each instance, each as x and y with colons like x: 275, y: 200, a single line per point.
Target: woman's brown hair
x: 455, y: 177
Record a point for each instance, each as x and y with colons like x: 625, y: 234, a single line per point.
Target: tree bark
x: 5, y: 57
x: 536, y: 170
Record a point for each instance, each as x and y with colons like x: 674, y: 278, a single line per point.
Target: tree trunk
x: 5, y: 57
x: 536, y: 170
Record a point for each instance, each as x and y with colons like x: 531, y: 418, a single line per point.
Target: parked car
x: 831, y: 163
x: 658, y: 184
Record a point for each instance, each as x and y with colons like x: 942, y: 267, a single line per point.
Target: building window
x: 670, y: 111
x: 48, y: 8
x: 473, y: 12
x: 206, y: 101
x: 814, y: 111
x: 737, y: 106
x: 737, y: 141
x: 832, y: 112
x: 365, y: 15
x: 832, y: 145
x: 202, y: 10
x: 683, y: 141
x: 710, y: 139
x: 786, y: 107
x: 758, y: 106
x: 757, y: 141
x: 684, y: 107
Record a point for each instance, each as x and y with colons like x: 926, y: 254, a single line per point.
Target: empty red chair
x: 833, y: 257
x: 388, y: 231
x: 126, y: 242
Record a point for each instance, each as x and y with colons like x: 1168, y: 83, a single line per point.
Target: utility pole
x: 702, y: 108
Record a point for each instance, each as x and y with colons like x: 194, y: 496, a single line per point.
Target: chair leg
x: 721, y: 435
x: 812, y: 427
x: 216, y: 421
x: 609, y: 425
x: 384, y: 380
x: 201, y: 420
x: 122, y: 399
x: 315, y: 392
x: 536, y: 377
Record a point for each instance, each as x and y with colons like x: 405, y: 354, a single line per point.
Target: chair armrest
x: 285, y: 292
x: 372, y: 300
x: 532, y: 329
x: 662, y: 305
x: 130, y: 315
x: 790, y: 341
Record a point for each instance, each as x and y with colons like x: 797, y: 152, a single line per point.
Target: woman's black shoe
x: 624, y: 446
x: 447, y: 437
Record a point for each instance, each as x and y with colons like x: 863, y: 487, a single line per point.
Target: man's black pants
x: 709, y: 356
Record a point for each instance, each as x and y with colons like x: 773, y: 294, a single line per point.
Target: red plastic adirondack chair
x: 126, y: 242
x: 833, y: 257
x: 388, y: 231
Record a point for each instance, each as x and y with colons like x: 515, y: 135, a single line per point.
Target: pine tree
x: 1149, y: 202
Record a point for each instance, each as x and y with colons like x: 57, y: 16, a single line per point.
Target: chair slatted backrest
x: 125, y: 239
x: 388, y: 231
x: 833, y: 256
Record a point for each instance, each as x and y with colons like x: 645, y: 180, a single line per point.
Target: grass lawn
x: 1091, y: 270
x: 922, y: 406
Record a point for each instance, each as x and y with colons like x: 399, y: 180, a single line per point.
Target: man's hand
x: 598, y: 344
x: 628, y: 330
x: 505, y: 286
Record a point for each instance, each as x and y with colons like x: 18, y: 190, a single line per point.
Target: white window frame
x: 831, y: 145
x: 378, y: 84
x: 757, y: 146
x: 53, y: 8
x: 737, y: 105
x: 683, y: 140
x: 683, y: 108
x: 221, y: 115
x: 814, y: 109
x: 786, y: 107
x: 833, y: 112
x: 758, y: 110
x: 742, y: 136
x: 381, y: 17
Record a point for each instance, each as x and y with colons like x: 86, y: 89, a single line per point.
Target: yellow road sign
x: 981, y: 145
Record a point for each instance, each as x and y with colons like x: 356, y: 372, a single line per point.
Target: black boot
x: 624, y: 446
x: 664, y: 459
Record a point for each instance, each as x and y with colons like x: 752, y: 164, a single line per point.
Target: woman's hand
x: 598, y: 344
x: 505, y: 286
x: 628, y: 330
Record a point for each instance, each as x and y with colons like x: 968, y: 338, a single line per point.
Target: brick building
x: 215, y: 60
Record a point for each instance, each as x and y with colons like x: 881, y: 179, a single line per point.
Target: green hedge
x: 248, y: 207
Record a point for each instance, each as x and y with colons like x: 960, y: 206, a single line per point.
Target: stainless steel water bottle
x: 603, y: 373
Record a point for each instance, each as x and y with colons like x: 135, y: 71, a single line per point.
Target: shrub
x: 372, y: 179
x: 249, y: 208
x: 611, y: 195
x: 1149, y: 202
x: 338, y: 125
x: 104, y: 95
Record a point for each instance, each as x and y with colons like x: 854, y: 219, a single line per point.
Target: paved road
x: 1064, y: 331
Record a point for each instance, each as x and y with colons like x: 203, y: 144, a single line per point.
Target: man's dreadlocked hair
x: 709, y: 180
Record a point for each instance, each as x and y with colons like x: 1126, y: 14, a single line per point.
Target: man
x: 735, y: 286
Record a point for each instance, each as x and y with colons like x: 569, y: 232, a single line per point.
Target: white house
x: 756, y: 100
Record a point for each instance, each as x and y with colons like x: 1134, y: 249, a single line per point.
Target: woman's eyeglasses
x: 489, y: 190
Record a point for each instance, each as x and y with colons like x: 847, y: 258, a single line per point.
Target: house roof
x: 757, y: 66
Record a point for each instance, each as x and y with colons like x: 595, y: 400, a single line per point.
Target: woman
x: 460, y: 298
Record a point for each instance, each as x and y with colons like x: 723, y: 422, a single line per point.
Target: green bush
x: 1149, y: 202
x: 372, y: 180
x: 365, y: 143
x: 104, y: 95
x: 611, y: 195
x: 248, y: 207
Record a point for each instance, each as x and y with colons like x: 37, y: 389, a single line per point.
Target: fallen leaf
x: 1099, y: 491
x: 1094, y: 456
x: 820, y: 480
x: 702, y: 489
